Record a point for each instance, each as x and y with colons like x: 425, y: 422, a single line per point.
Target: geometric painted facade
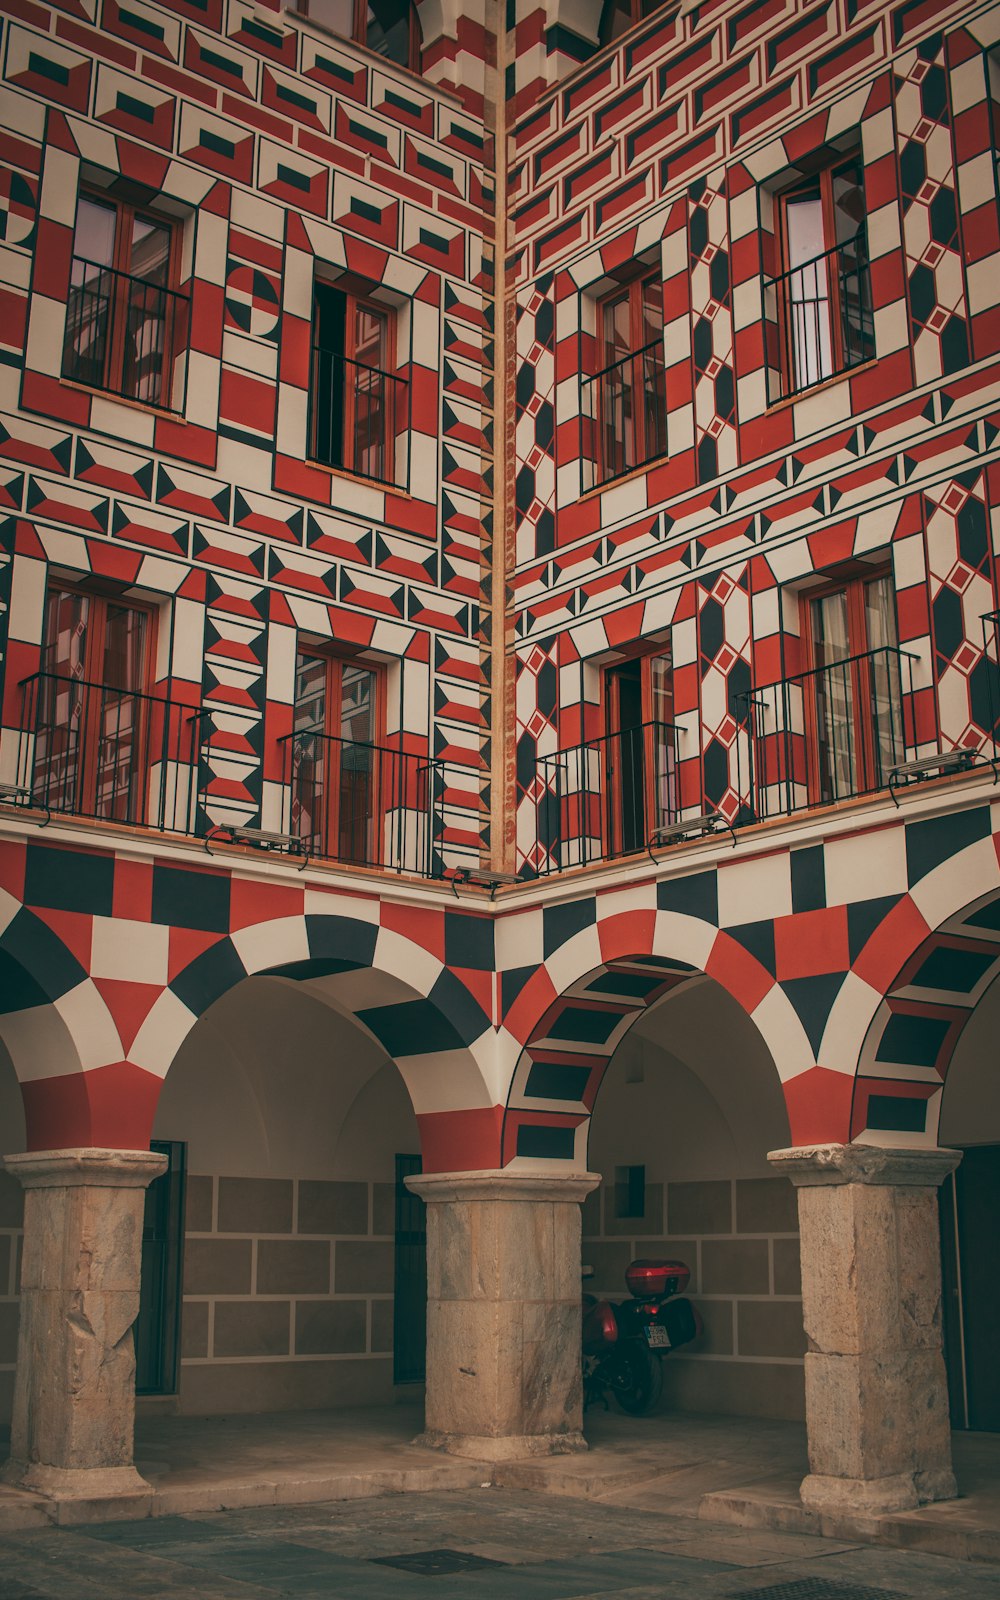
x: 284, y: 154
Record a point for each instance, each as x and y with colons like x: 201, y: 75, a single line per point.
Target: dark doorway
x: 157, y: 1328
x: 409, y: 1338
x: 626, y: 764
x: 970, y: 1205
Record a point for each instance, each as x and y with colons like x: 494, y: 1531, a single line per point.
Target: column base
x: 75, y: 1483
x: 481, y: 1447
x: 876, y: 1497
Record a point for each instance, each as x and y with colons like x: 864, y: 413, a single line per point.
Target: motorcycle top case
x: 654, y: 1280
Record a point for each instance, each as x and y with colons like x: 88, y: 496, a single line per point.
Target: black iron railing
x: 605, y: 798
x: 123, y: 333
x: 822, y: 314
x: 92, y: 750
x: 984, y: 683
x: 831, y: 733
x: 358, y: 413
x: 364, y: 804
x: 623, y: 414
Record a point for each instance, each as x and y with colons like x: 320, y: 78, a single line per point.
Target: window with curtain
x: 853, y: 691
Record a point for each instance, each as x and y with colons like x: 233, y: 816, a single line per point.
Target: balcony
x: 363, y: 804
x: 604, y: 798
x: 623, y: 415
x: 830, y: 734
x: 818, y: 318
x: 122, y: 334
x: 92, y: 750
x: 814, y: 739
x: 358, y: 416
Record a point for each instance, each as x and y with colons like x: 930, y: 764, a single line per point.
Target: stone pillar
x: 503, y: 1313
x: 876, y: 1392
x: 74, y: 1390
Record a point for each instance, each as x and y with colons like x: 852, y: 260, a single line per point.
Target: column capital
x: 86, y: 1168
x: 500, y: 1184
x: 816, y: 1165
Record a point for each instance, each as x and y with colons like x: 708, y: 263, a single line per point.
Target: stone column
x: 503, y: 1313
x: 876, y: 1392
x: 74, y: 1390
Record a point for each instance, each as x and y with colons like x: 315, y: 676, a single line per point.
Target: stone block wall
x: 288, y: 1294
x: 11, y: 1213
x: 740, y: 1239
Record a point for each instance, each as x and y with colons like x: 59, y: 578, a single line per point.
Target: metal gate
x: 409, y: 1340
x: 157, y: 1328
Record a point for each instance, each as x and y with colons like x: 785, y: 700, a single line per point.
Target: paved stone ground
x: 545, y: 1548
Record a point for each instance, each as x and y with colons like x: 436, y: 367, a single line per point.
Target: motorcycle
x: 623, y: 1343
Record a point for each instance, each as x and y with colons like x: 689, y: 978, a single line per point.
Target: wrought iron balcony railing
x: 606, y: 797
x: 364, y: 804
x: 92, y: 750
x: 123, y: 334
x: 623, y: 417
x: 360, y: 418
x: 829, y: 734
x: 819, y: 317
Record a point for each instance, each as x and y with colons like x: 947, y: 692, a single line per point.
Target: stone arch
x: 573, y: 1014
x: 62, y: 1039
x: 902, y: 1007
x: 910, y: 1042
x: 429, y: 1023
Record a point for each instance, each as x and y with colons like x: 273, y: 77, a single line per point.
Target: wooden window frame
x: 356, y: 301
x: 646, y: 655
x: 823, y: 176
x: 328, y: 824
x: 92, y: 684
x: 633, y: 289
x: 126, y: 213
x: 851, y: 580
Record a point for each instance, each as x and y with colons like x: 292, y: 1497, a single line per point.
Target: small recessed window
x: 630, y: 1192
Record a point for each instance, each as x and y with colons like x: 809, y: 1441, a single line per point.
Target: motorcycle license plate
x: 656, y: 1337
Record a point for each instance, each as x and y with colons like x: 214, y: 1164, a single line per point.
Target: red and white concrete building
x: 499, y: 522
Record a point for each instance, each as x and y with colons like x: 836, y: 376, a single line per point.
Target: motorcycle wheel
x: 640, y: 1379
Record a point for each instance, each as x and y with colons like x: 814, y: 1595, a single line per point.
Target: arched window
x: 388, y: 27
x: 620, y: 15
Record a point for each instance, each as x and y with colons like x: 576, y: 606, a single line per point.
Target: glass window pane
x: 651, y: 306
x: 94, y: 239
x: 149, y: 251
x: 357, y: 703
x: 310, y: 693
x: 880, y: 614
x: 807, y: 302
x: 388, y: 29
x: 67, y: 615
x: 90, y: 302
x: 124, y: 649
x: 371, y: 392
x: 848, y: 199
x: 616, y: 19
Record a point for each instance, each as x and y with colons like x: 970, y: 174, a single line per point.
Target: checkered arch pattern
x: 106, y: 965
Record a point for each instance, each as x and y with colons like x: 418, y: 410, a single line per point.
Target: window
x: 123, y: 314
x: 620, y: 15
x: 355, y: 395
x: 640, y: 762
x: 336, y: 776
x: 389, y: 27
x: 853, y: 698
x: 821, y: 299
x: 88, y: 706
x: 628, y: 392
